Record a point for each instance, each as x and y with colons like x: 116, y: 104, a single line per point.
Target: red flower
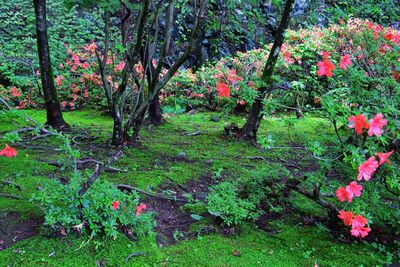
x: 223, y: 90
x: 344, y: 195
x: 14, y: 91
x: 325, y: 54
x: 384, y: 156
x: 139, y: 209
x: 8, y: 152
x: 359, y: 123
x: 233, y: 77
x: 115, y: 205
x: 347, y: 217
x: 288, y: 58
x: 359, y: 221
x: 376, y: 125
x: 345, y: 62
x: 366, y: 169
x: 354, y: 189
x: 325, y: 68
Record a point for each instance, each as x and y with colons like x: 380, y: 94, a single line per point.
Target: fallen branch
x: 10, y: 196
x: 131, y: 188
x: 135, y: 254
x: 90, y: 181
x: 81, y: 164
x: 11, y: 184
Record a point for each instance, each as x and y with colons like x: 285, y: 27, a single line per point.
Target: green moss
x: 183, y: 149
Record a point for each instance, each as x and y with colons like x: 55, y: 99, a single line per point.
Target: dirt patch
x: 13, y: 229
x: 173, y: 223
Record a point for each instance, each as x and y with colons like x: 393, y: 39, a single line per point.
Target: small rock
x: 215, y: 119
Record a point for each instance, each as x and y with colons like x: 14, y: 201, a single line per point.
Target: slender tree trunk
x: 54, y: 115
x: 249, y: 130
x: 118, y: 131
x: 155, y: 113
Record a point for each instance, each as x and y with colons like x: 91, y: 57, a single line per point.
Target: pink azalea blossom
x: 139, y: 209
x: 376, y: 125
x: 366, y: 169
x: 345, y: 62
x: 383, y: 157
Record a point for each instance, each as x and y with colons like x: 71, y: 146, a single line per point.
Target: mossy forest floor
x: 183, y: 155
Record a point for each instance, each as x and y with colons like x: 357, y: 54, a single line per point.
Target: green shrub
x: 93, y: 212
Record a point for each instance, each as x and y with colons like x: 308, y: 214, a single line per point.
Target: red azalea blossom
x: 325, y: 54
x: 223, y: 90
x: 288, y: 58
x: 8, y: 152
x: 376, y: 125
x: 139, y: 209
x: 344, y: 195
x: 345, y: 62
x: 358, y: 123
x: 115, y: 205
x: 233, y: 77
x: 325, y: 68
x: 383, y: 157
x: 85, y: 65
x: 14, y: 91
x: 366, y: 169
x: 346, y: 216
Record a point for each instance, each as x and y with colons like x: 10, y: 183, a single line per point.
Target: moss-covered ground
x: 152, y: 164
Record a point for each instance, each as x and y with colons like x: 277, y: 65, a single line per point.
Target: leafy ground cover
x: 183, y: 157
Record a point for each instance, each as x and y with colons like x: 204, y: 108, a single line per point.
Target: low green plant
x: 102, y: 209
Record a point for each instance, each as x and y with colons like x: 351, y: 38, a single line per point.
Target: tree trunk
x: 249, y: 130
x: 54, y: 115
x: 155, y: 114
x: 117, y: 137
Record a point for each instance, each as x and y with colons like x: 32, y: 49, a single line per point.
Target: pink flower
x: 115, y: 205
x: 360, y: 231
x: 358, y: 123
x: 223, y: 90
x: 376, y: 125
x: 346, y: 216
x: 344, y: 195
x: 120, y: 66
x: 64, y: 104
x: 325, y: 68
x: 354, y: 189
x: 85, y: 65
x: 8, y: 152
x: 59, y: 80
x: 383, y: 157
x: 345, y: 62
x: 358, y: 226
x: 233, y: 77
x: 366, y: 169
x: 139, y: 209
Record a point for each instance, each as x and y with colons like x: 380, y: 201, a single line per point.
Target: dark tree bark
x: 155, y: 113
x: 249, y: 130
x: 54, y: 115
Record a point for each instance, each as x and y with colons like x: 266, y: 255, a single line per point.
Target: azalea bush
x: 103, y: 209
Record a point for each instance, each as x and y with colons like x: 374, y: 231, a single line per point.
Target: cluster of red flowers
x: 326, y: 67
x: 374, y: 127
x: 8, y: 152
x: 365, y: 170
x: 139, y: 209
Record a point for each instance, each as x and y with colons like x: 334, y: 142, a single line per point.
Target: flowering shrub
x: 102, y: 209
x: 365, y: 171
